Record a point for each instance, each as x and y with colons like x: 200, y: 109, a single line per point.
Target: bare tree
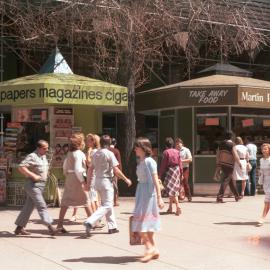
x: 123, y: 40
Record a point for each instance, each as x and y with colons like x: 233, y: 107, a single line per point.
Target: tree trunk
x: 126, y: 138
x: 126, y: 127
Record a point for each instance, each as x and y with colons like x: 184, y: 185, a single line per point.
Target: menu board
x: 62, y: 126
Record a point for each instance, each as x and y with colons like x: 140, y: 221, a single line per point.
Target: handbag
x: 134, y: 237
x: 249, y: 167
x: 182, y: 194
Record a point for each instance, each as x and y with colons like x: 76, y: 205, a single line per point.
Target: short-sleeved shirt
x: 103, y: 162
x: 252, y: 150
x: 185, y: 154
x: 37, y: 164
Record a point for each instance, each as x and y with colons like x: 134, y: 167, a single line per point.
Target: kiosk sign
x: 53, y: 94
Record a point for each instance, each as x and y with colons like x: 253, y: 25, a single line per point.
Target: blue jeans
x: 252, y: 179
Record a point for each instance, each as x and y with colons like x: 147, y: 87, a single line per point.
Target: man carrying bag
x: 226, y: 157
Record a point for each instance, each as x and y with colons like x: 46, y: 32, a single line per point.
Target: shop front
x: 200, y: 110
x: 49, y: 106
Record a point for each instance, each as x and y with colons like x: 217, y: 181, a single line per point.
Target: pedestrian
x: 105, y: 166
x: 186, y: 159
x: 93, y: 144
x: 264, y: 180
x: 35, y: 168
x: 240, y: 173
x: 74, y: 168
x: 252, y: 150
x: 117, y: 154
x: 225, y: 158
x: 171, y: 171
x: 146, y: 218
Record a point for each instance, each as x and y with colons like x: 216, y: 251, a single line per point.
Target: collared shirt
x: 103, y: 162
x: 185, y: 154
x: 252, y: 151
x: 37, y: 164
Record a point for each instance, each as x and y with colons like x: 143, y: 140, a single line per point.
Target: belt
x: 242, y: 158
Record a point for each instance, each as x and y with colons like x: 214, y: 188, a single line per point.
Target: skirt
x: 172, y: 181
x: 146, y: 213
x: 93, y: 195
x: 73, y: 194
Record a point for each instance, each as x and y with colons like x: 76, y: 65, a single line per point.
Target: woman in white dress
x: 92, y: 144
x: 74, y: 191
x: 240, y: 173
x: 264, y: 179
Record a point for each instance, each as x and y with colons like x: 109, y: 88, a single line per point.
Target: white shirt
x: 79, y: 164
x: 252, y: 150
x: 185, y: 154
x: 103, y: 162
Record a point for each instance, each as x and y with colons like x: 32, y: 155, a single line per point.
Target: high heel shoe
x: 178, y: 211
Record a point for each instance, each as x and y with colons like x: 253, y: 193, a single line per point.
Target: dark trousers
x: 186, y: 183
x: 252, y: 178
x: 225, y: 181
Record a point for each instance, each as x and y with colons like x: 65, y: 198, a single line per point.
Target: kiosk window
x: 255, y: 126
x: 210, y: 129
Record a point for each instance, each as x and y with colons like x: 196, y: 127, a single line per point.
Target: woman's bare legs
x: 88, y: 210
x: 244, y: 183
x: 171, y: 200
x: 264, y: 214
x: 74, y: 217
x: 62, y: 214
x: 151, y: 237
x: 148, y: 247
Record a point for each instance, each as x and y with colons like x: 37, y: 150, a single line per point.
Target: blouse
x: 170, y: 158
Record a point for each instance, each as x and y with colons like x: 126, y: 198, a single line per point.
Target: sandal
x: 169, y: 211
x: 61, y: 230
x: 178, y: 211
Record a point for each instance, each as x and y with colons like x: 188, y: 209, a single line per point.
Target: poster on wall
x: 22, y: 115
x: 59, y: 155
x: 248, y: 122
x: 266, y: 122
x: 212, y: 121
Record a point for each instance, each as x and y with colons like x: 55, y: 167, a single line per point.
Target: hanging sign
x: 212, y: 121
x: 248, y: 122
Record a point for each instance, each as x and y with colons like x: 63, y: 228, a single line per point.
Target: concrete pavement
x: 206, y: 236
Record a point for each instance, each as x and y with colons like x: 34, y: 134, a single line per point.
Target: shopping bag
x: 134, y: 237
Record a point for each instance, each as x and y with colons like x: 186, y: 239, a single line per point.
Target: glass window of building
x: 211, y: 124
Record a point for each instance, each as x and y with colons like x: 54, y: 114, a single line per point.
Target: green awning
x: 62, y: 89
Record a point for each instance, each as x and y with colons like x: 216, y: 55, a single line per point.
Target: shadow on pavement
x: 213, y: 201
x: 106, y: 259
x: 5, y: 234
x: 248, y: 223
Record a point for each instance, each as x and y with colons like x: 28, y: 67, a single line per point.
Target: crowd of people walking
x: 91, y: 182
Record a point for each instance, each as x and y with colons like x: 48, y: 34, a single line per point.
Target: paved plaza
x: 206, y: 236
